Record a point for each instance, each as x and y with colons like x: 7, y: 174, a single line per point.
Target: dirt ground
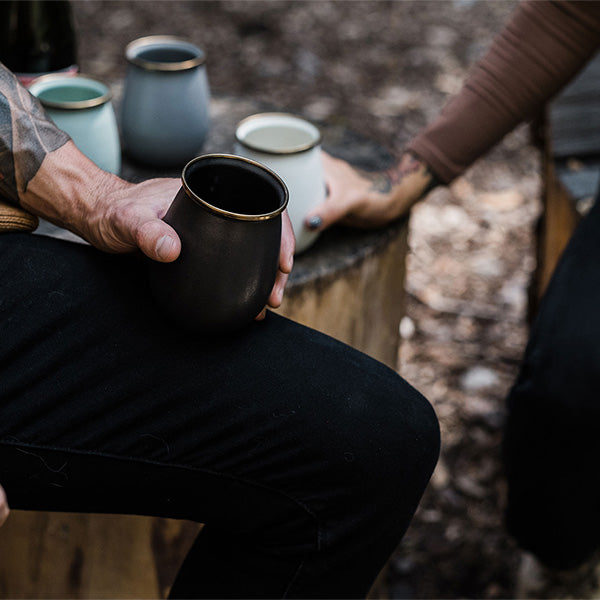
x: 384, y: 69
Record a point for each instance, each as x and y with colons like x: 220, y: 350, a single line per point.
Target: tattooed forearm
x: 26, y: 136
x: 384, y: 182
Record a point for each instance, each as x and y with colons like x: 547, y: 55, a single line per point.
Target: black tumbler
x: 228, y: 216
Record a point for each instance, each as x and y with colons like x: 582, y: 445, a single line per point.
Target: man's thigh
x: 89, y: 367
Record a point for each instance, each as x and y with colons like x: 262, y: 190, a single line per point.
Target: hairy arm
x: 26, y: 137
x: 42, y: 170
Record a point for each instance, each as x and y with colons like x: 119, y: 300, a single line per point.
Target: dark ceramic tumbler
x: 228, y: 216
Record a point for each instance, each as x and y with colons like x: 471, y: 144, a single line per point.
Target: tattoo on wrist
x: 26, y: 136
x: 385, y: 181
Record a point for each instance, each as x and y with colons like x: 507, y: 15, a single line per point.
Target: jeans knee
x: 389, y: 455
x: 380, y: 462
x: 406, y: 450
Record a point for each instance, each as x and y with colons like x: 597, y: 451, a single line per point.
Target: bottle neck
x: 37, y: 37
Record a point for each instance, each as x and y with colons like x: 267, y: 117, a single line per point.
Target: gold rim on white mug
x: 295, y: 150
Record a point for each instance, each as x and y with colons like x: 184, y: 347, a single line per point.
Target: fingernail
x: 164, y: 246
x: 315, y: 222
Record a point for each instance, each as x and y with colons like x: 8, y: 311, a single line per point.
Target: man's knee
x: 389, y: 451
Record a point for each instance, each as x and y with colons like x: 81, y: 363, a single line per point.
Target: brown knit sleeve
x: 541, y: 48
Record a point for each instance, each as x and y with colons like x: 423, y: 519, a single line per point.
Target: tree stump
x: 72, y: 555
x: 350, y: 285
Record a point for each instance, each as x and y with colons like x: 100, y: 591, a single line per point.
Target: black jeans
x: 552, y: 441
x: 304, y: 458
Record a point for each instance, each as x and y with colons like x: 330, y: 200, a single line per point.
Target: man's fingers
x: 288, y: 244
x: 276, y: 296
x: 4, y: 510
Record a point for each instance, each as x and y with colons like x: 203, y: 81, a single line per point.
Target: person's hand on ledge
x: 362, y: 199
x: 4, y: 510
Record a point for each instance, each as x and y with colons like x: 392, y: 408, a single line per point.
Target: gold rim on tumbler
x: 158, y: 65
x: 103, y: 98
x: 227, y: 213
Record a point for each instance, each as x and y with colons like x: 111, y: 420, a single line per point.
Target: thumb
x: 159, y: 241
x: 325, y: 214
x: 4, y: 510
x: 336, y: 205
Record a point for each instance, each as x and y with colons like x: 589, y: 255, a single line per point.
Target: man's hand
x: 41, y: 168
x: 129, y: 216
x: 117, y: 216
x: 3, y: 506
x: 112, y: 214
x: 286, y: 262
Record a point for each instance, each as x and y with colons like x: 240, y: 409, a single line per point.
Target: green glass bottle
x: 37, y: 37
